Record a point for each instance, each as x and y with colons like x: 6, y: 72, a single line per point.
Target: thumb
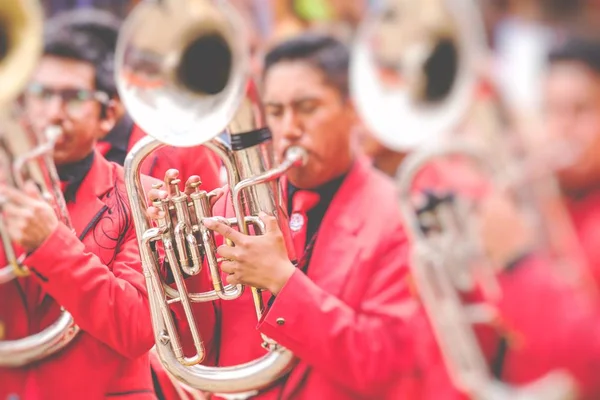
x: 271, y: 224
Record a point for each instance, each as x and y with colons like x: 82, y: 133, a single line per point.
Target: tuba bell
x: 184, y: 87
x: 24, y: 155
x: 415, y: 72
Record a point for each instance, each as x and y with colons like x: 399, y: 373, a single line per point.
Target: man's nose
x: 292, y: 129
x: 55, y: 109
x: 559, y: 124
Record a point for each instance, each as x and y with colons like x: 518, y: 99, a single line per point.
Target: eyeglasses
x: 73, y: 100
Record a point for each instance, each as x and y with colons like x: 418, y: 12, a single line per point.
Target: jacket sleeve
x: 111, y: 304
x: 550, y: 324
x: 364, y: 349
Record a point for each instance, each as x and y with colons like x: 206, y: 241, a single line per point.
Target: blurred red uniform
x: 545, y: 324
x: 189, y: 161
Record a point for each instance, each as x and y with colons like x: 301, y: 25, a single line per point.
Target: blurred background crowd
x: 520, y: 34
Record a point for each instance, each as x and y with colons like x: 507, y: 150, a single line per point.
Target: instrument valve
x: 177, y: 197
x: 195, y: 186
x: 175, y: 184
x: 157, y: 202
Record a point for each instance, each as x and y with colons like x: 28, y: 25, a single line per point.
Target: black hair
x: 325, y: 53
x: 88, y: 35
x: 577, y: 48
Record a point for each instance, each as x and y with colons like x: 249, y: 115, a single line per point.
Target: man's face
x: 303, y: 110
x: 62, y: 93
x: 573, y: 117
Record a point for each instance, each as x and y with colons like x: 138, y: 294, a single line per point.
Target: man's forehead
x: 300, y: 93
x: 64, y: 69
x: 296, y: 81
x: 301, y: 71
x: 293, y: 99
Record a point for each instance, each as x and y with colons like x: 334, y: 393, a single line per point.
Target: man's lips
x: 56, y: 134
x: 283, y: 153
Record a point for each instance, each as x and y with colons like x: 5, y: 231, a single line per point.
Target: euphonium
x: 26, y: 156
x: 184, y: 86
x: 414, y: 75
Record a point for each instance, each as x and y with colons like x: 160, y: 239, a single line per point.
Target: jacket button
x: 280, y: 321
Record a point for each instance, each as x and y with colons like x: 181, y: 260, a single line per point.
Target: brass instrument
x: 26, y: 156
x: 21, y: 25
x: 184, y: 86
x: 413, y: 77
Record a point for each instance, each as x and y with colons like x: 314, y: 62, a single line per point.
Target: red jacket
x: 548, y: 323
x: 585, y: 214
x: 346, y: 320
x: 98, y: 280
x: 197, y: 160
x: 551, y: 325
x: 169, y: 387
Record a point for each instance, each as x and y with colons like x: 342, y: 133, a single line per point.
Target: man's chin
x: 573, y: 180
x: 61, y: 158
x: 295, y: 177
x: 302, y: 179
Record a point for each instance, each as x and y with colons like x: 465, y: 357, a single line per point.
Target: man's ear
x: 109, y: 120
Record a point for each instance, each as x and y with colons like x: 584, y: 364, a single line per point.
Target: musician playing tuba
x: 493, y: 260
x: 93, y: 272
x: 564, y: 318
x: 342, y: 310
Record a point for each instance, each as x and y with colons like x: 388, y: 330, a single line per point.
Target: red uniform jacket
x: 346, y: 320
x: 169, y: 387
x: 548, y: 324
x: 196, y: 160
x: 585, y: 214
x: 98, y: 280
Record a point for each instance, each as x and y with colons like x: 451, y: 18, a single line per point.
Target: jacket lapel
x: 336, y: 248
x: 87, y: 207
x: 99, y: 181
x: 337, y: 243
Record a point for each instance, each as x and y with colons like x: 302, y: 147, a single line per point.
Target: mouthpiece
x: 52, y: 133
x: 297, y: 156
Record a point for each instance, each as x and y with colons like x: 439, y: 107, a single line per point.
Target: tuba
x: 26, y: 156
x: 184, y: 87
x: 414, y: 75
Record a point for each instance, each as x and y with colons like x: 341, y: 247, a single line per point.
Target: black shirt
x: 326, y: 192
x: 119, y: 138
x: 73, y: 174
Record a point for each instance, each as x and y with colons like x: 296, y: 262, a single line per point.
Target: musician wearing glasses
x: 343, y: 309
x: 94, y: 271
x: 116, y: 143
